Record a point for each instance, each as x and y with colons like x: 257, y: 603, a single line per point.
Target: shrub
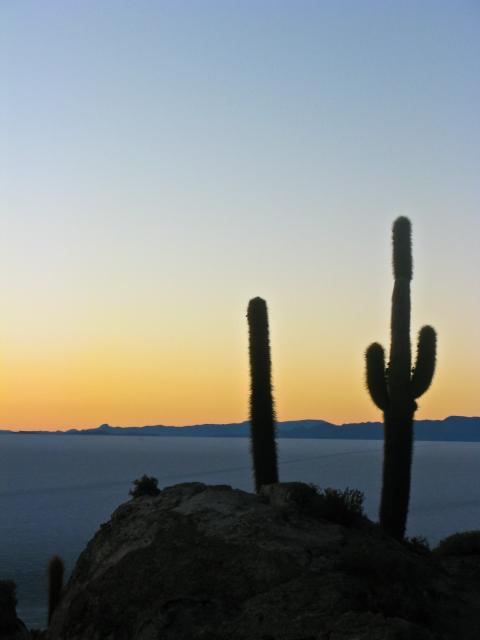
x: 343, y: 507
x: 145, y: 486
x: 418, y: 544
x: 466, y: 543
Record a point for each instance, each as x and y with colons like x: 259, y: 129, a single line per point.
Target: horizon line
x: 213, y: 424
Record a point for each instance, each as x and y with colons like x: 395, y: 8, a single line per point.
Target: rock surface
x: 11, y: 628
x: 212, y: 563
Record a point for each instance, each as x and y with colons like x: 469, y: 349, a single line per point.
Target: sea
x: 56, y: 490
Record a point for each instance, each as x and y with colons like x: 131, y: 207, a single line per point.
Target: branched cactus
x: 262, y: 414
x: 56, y: 570
x: 395, y: 387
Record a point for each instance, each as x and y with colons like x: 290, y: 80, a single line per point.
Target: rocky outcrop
x: 11, y: 628
x: 209, y: 562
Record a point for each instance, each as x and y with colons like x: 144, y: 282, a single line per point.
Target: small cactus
x: 262, y: 413
x: 395, y: 387
x: 56, y: 571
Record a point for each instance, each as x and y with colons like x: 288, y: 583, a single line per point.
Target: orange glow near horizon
x: 190, y: 381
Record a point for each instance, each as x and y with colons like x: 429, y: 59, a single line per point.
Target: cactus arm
x: 425, y: 362
x: 375, y: 370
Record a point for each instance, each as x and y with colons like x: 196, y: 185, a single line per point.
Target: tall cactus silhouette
x: 395, y: 387
x: 262, y: 413
x: 56, y: 570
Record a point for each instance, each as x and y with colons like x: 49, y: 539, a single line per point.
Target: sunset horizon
x: 138, y: 425
x: 167, y: 162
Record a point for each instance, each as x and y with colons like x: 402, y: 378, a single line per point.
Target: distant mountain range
x: 451, y: 429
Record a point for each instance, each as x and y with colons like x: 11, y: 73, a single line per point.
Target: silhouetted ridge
x: 451, y: 429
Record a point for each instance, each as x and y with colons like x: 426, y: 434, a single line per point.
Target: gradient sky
x: 164, y: 161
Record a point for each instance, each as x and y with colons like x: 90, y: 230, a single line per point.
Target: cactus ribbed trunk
x: 398, y: 417
x: 262, y: 414
x: 397, y: 465
x: 394, y: 388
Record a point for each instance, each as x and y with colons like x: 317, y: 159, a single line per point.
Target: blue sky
x: 163, y: 162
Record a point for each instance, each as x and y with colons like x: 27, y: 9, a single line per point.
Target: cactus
x: 56, y: 570
x: 262, y: 414
x: 395, y: 387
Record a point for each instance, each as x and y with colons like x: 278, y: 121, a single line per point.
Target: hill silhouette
x: 451, y: 429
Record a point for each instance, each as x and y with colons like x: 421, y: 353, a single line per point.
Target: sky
x: 162, y: 162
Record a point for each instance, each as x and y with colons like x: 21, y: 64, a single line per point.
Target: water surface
x: 56, y: 490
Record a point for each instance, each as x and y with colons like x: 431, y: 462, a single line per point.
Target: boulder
x: 214, y: 563
x: 11, y: 628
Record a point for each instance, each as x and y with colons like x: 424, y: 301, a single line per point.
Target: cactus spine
x: 262, y: 414
x: 56, y: 570
x: 395, y: 387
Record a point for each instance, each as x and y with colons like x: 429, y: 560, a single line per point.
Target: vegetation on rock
x: 340, y: 506
x: 418, y: 544
x: 335, y: 505
x: 144, y: 486
x: 465, y: 543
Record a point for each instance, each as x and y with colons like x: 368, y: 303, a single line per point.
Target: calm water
x: 56, y: 490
